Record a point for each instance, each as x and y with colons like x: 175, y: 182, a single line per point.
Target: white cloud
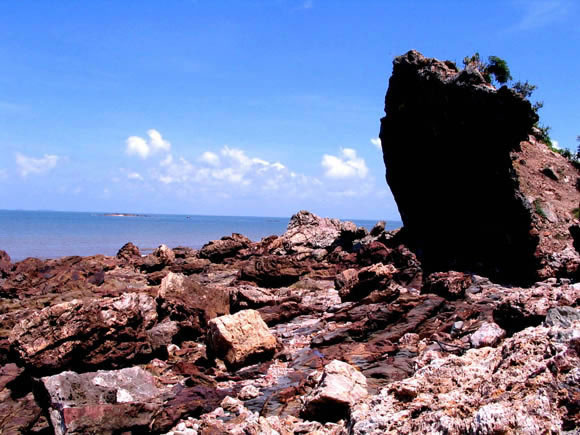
x: 167, y: 160
x: 30, y: 165
x: 210, y: 158
x: 135, y: 176
x: 346, y: 165
x: 556, y: 144
x: 539, y: 13
x: 157, y: 142
x: 138, y: 146
x: 376, y: 141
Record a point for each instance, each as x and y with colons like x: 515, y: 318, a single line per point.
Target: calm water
x: 48, y: 234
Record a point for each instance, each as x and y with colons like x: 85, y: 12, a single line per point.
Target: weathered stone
x: 339, y: 388
x: 562, y: 316
x: 450, y: 285
x: 517, y: 387
x: 488, y: 334
x: 218, y: 250
x: 190, y: 304
x: 241, y: 339
x: 85, y: 334
x: 5, y: 264
x: 129, y: 252
x: 371, y: 278
x: 103, y: 402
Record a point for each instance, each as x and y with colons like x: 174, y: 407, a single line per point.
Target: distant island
x: 124, y: 215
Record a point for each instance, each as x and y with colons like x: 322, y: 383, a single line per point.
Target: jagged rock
x: 161, y: 257
x: 450, y: 285
x: 435, y: 162
x: 86, y: 334
x: 488, y: 334
x: 190, y: 304
x: 103, y: 402
x: 371, y: 278
x: 340, y: 386
x: 562, y: 316
x: 129, y: 252
x: 191, y: 265
x: 218, y: 250
x: 5, y: 264
x: 518, y: 387
x: 241, y: 339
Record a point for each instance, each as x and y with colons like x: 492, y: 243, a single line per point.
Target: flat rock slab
x: 103, y: 402
x: 241, y: 339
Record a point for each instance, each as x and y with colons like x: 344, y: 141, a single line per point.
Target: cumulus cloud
x: 556, y: 144
x: 345, y: 165
x: 144, y: 148
x: 230, y: 168
x: 30, y: 165
x: 135, y: 176
x: 376, y: 141
x: 210, y: 158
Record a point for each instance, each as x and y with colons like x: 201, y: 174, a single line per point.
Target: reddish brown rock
x: 218, y: 250
x: 85, y: 334
x: 369, y: 279
x: 190, y: 304
x: 450, y: 285
x: 129, y: 252
x: 5, y: 264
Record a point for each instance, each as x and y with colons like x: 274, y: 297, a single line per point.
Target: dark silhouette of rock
x: 446, y: 138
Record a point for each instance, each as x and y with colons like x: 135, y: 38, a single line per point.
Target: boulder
x: 241, y: 339
x: 488, y: 334
x: 218, y: 250
x: 446, y: 140
x: 369, y: 279
x: 83, y: 334
x: 129, y: 252
x: 191, y: 304
x: 450, y: 285
x: 103, y: 402
x: 160, y: 258
x: 340, y: 386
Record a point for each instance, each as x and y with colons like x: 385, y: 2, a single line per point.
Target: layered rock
x: 447, y: 138
x: 85, y: 334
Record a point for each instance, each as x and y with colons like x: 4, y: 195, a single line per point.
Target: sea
x: 52, y: 234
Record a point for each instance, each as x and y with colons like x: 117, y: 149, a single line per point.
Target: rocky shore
x: 328, y: 328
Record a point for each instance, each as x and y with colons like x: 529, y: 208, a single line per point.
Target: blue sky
x: 255, y: 108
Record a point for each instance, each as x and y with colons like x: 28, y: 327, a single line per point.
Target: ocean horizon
x: 53, y: 234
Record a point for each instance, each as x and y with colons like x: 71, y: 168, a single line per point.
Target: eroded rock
x: 241, y: 339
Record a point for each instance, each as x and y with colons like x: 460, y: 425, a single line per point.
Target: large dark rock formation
x: 447, y: 137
